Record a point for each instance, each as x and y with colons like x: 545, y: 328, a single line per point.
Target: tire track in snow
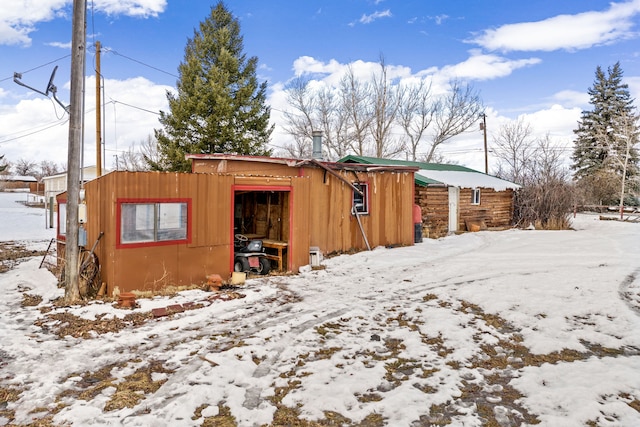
x: 629, y: 292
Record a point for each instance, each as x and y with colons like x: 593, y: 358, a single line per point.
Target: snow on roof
x: 23, y: 178
x: 467, y: 179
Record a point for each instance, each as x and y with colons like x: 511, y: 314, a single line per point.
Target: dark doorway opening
x: 264, y: 215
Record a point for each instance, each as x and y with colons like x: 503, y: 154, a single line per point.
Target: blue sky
x: 532, y: 60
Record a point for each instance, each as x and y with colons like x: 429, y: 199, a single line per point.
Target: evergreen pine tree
x: 2, y: 167
x: 602, y: 134
x: 219, y: 106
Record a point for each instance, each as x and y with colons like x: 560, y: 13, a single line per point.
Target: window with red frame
x: 148, y: 222
x: 62, y: 219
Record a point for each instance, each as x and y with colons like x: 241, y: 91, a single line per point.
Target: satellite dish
x: 50, y: 86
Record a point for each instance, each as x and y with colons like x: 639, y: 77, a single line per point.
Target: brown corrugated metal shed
x: 292, y: 204
x: 332, y: 227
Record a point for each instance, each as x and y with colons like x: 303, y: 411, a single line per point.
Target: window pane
x: 153, y: 222
x: 360, y: 200
x: 137, y: 223
x: 172, y: 221
x: 475, y: 196
x: 62, y: 219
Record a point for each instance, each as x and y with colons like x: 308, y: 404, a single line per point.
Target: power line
x: 133, y: 106
x: 34, y: 132
x: 142, y: 63
x: 35, y: 68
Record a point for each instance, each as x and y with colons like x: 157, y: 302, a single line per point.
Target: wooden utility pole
x: 486, y: 155
x: 98, y: 114
x: 78, y: 48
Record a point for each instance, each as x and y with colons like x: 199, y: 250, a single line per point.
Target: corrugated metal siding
x: 389, y: 221
x: 155, y: 267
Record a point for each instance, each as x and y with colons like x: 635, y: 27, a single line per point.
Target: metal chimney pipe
x: 317, y: 144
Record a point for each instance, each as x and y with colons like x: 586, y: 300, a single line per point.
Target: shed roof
x: 14, y: 178
x: 441, y: 173
x: 358, y: 166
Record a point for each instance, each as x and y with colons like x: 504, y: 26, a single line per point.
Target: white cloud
x: 484, y: 67
x: 571, y: 98
x: 61, y: 45
x: 18, y: 18
x: 634, y: 86
x: 569, y: 32
x: 555, y: 120
x: 367, y: 19
x: 139, y: 8
x: 439, y: 19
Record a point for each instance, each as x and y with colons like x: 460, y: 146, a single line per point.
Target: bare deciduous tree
x: 48, y: 168
x: 456, y: 112
x: 140, y: 158
x: 315, y: 109
x: 547, y: 198
x: 356, y: 100
x: 628, y: 134
x: 333, y: 123
x: 25, y: 167
x: 150, y: 151
x: 512, y: 147
x: 362, y: 116
x: 415, y: 115
x: 386, y: 99
x: 300, y: 123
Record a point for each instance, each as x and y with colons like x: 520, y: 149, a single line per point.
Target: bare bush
x: 547, y: 198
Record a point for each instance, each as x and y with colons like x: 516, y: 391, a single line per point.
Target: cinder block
x: 159, y: 312
x: 175, y: 308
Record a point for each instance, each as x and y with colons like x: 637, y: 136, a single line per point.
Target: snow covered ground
x: 492, y: 328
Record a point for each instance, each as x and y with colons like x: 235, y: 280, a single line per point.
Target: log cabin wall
x: 495, y: 208
x: 434, y: 203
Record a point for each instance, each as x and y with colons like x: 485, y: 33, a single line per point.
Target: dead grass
x: 8, y: 394
x: 91, y: 384
x: 135, y: 387
x: 66, y: 324
x: 29, y: 300
x: 223, y: 419
x: 12, y: 253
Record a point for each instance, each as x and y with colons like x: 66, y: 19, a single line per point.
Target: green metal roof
x: 420, y: 180
x: 420, y: 165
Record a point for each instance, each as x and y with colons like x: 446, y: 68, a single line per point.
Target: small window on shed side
x: 361, y: 201
x: 153, y: 222
x: 475, y: 196
x: 62, y: 218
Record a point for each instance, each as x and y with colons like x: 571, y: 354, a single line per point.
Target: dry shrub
x: 546, y: 203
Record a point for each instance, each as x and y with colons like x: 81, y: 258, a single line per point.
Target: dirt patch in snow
x: 12, y: 253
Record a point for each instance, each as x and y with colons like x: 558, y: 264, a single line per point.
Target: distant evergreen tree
x: 219, y: 106
x: 2, y: 167
x: 602, y: 135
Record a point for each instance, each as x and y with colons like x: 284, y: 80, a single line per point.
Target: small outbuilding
x: 455, y: 198
x: 16, y: 182
x: 162, y: 228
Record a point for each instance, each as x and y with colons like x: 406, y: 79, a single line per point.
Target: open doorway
x: 264, y: 215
